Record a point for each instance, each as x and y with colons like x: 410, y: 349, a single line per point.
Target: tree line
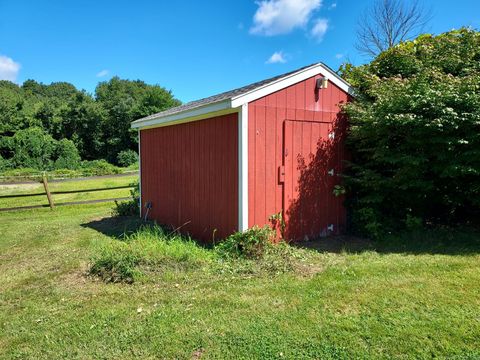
x: 58, y: 126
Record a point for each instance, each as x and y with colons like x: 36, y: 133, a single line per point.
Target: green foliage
x: 127, y: 157
x: 116, y: 263
x: 30, y: 148
x: 99, y: 168
x: 130, y: 207
x: 67, y: 156
x: 154, y: 249
x: 4, y: 164
x: 414, y: 134
x: 99, y: 126
x: 125, y: 101
x: 250, y: 244
x: 148, y: 250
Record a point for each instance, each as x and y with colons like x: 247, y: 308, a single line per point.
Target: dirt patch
x: 197, y: 354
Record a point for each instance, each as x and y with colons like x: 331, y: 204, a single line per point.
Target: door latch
x: 331, y: 172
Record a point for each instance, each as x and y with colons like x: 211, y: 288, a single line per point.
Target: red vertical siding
x: 267, y: 117
x: 190, y: 174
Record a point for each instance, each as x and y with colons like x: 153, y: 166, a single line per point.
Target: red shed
x: 230, y: 161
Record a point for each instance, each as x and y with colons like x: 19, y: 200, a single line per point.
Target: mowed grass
x: 358, y: 300
x: 87, y: 184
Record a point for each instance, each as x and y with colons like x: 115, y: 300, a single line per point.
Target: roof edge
x: 290, y: 80
x: 233, y: 103
x: 197, y: 113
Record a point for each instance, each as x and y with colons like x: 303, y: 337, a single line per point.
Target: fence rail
x: 49, y: 194
x: 5, y: 180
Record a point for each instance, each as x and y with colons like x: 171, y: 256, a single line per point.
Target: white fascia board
x: 198, y: 113
x: 291, y: 80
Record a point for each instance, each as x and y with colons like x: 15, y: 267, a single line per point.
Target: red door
x: 310, y: 171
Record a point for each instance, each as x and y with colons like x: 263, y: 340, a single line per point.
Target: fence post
x: 49, y: 196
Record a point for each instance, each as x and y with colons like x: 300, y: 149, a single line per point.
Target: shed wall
x: 190, y: 174
x: 267, y: 117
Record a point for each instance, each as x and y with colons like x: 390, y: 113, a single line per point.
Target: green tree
x: 414, y: 134
x: 29, y: 148
x: 67, y: 156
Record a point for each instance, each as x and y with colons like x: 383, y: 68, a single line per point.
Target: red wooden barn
x: 230, y: 161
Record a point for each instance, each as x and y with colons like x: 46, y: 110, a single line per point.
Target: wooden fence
x: 52, y: 203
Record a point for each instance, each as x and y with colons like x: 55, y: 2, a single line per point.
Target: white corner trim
x: 197, y: 113
x: 243, y: 168
x: 291, y: 80
x: 139, y: 174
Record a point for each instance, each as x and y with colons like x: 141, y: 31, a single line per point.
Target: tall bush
x: 414, y: 134
x: 30, y: 148
x: 67, y: 155
x: 127, y: 158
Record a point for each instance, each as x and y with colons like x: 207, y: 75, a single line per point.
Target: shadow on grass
x: 117, y: 226
x: 438, y: 241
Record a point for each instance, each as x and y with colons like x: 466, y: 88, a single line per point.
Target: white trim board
x: 139, y: 174
x: 243, y: 168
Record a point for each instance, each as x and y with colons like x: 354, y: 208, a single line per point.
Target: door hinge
x: 331, y: 135
x: 281, y: 174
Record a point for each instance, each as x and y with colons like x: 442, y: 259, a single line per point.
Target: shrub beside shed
x: 268, y: 152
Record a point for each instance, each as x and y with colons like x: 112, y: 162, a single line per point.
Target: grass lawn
x: 93, y: 183
x: 358, y: 300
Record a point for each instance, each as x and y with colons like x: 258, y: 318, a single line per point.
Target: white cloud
x: 332, y: 6
x: 274, y: 17
x: 319, y: 29
x: 103, y: 73
x: 8, y: 68
x: 339, y: 56
x: 277, y: 57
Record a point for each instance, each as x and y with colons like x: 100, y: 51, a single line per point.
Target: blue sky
x: 195, y: 48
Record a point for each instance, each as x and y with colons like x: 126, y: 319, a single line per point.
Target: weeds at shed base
x: 153, y: 250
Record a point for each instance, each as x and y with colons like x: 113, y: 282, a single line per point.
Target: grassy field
x: 93, y: 183
x: 414, y: 299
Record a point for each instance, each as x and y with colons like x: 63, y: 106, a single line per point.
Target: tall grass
x: 150, y: 248
x: 153, y: 250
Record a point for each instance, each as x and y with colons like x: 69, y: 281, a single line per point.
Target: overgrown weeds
x: 129, y: 207
x: 153, y: 250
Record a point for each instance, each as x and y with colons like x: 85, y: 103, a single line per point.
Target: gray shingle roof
x: 220, y: 97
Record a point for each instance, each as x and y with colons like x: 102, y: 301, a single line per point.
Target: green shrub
x: 30, y: 148
x: 127, y: 158
x: 67, y: 156
x: 98, y: 168
x: 414, y: 135
x: 251, y: 244
x: 4, y: 164
x: 130, y: 207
